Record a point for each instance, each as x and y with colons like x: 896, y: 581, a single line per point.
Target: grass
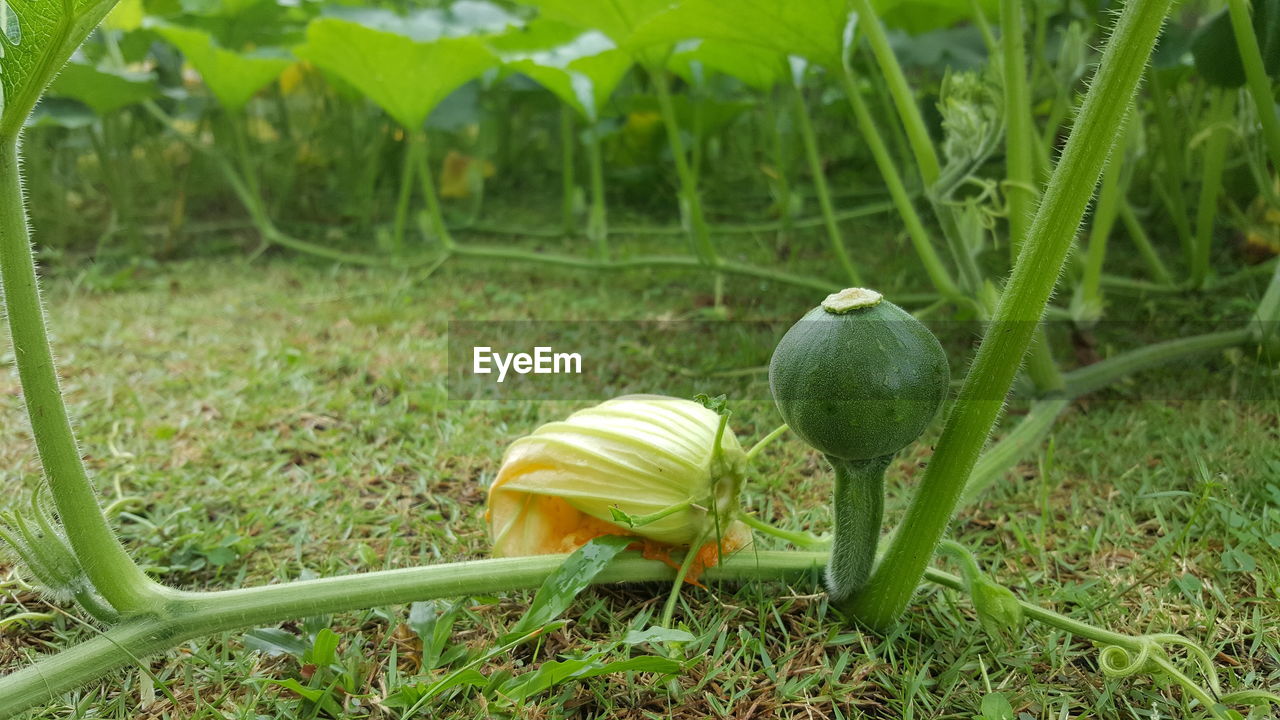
x: 274, y: 420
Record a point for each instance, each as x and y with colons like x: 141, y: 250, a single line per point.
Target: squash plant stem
x: 1021, y: 189
x: 429, y: 195
x: 933, y: 265
x: 1221, y: 106
x: 104, y: 560
x: 820, y: 185
x: 859, y: 509
x: 567, y: 183
x: 1255, y: 74
x: 597, y: 220
x: 1017, y: 315
x: 404, y: 192
x: 187, y: 615
x: 690, y: 200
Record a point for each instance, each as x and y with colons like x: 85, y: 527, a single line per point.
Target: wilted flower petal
x: 641, y: 454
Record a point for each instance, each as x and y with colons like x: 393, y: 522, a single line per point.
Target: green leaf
x: 995, y: 706
x: 556, y: 672
x: 37, y: 39
x: 103, y: 90
x: 274, y: 642
x: 616, y: 18
x: 918, y: 16
x: 757, y: 67
x: 562, y: 586
x: 433, y: 622
x: 231, y: 76
x: 813, y: 29
x: 1217, y: 57
x: 657, y: 634
x: 405, y: 77
x: 466, y: 18
x: 324, y: 649
x: 581, y: 68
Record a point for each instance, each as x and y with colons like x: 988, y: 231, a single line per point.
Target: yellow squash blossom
x: 643, y: 455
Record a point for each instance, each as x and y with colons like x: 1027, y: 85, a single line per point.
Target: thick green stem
x: 1100, y: 374
x: 568, y: 186
x: 597, y: 222
x: 1172, y: 144
x: 780, y: 165
x: 1211, y: 168
x: 933, y: 265
x: 816, y: 170
x: 859, y: 512
x: 1138, y: 234
x: 1255, y: 74
x: 690, y: 199
x: 1265, y: 326
x: 1110, y: 196
x: 1017, y: 315
x: 108, y: 566
x: 405, y: 191
x: 1013, y: 447
x: 676, y: 261
x: 189, y: 615
x: 1021, y: 189
x: 429, y: 195
x: 903, y: 98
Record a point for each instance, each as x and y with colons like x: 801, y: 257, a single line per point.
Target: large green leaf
x: 103, y: 90
x: 813, y: 29
x: 582, y: 68
x: 755, y: 66
x: 36, y: 38
x: 917, y: 16
x: 231, y: 76
x: 619, y: 19
x: 465, y: 18
x: 1215, y: 51
x: 404, y: 76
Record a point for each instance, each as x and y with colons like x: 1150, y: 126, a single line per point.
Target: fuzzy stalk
x: 1021, y: 306
x: 859, y: 510
x: 189, y: 615
x: 106, y: 563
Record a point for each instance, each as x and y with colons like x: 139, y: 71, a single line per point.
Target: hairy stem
x: 1017, y: 315
x: 859, y: 509
x: 189, y: 615
x: 106, y: 563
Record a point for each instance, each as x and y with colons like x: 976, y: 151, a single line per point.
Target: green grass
x: 275, y: 420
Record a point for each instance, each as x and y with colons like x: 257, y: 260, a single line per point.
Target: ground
x: 275, y: 419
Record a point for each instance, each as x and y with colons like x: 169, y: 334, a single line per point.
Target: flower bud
x: 603, y: 469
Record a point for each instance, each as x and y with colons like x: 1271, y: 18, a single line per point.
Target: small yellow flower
x: 643, y: 455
